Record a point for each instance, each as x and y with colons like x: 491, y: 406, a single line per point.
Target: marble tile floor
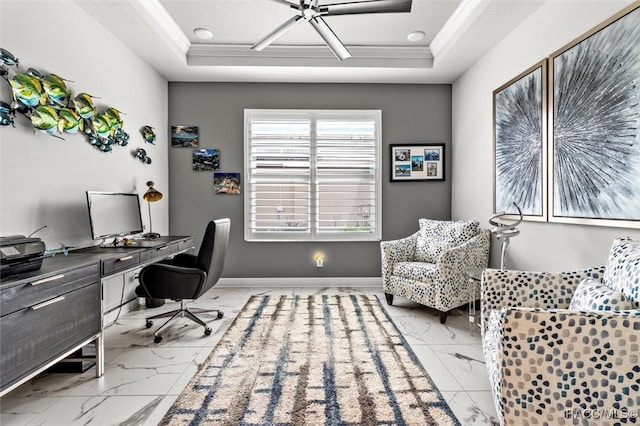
x: 142, y: 379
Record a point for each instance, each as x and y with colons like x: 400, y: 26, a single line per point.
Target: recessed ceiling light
x: 415, y: 36
x: 203, y: 33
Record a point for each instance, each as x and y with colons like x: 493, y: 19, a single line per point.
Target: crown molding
x: 158, y: 18
x: 316, y: 56
x: 459, y: 22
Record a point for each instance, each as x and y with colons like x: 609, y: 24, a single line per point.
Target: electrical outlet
x: 279, y: 209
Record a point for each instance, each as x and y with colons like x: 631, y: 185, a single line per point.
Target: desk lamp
x: 152, y: 195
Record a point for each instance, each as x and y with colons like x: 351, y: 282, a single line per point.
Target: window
x: 312, y: 175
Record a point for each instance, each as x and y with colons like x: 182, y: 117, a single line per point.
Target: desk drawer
x: 158, y: 253
x: 44, y: 288
x: 185, y: 245
x: 125, y: 261
x: 33, y: 336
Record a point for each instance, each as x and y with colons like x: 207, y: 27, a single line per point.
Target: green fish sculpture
x: 27, y: 90
x: 45, y: 118
x: 56, y: 90
x: 101, y: 125
x: 149, y: 134
x: 114, y: 118
x: 69, y: 121
x: 83, y: 104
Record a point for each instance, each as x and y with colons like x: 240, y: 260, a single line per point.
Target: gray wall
x: 540, y: 246
x: 410, y: 114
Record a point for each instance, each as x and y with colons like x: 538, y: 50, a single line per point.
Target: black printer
x: 20, y: 254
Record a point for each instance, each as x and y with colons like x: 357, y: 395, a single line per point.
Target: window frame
x: 313, y: 235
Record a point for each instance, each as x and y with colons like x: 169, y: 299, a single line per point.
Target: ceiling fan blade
x: 290, y: 3
x: 368, y: 6
x: 330, y: 38
x: 277, y: 33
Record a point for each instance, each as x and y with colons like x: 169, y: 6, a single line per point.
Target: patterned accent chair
x: 428, y: 267
x: 564, y: 348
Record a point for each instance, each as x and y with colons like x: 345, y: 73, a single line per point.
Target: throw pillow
x: 592, y: 295
x: 622, y: 272
x: 457, y: 232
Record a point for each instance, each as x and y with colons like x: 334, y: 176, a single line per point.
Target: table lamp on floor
x: 152, y: 195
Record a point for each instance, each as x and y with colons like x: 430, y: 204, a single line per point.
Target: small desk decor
x: 417, y: 162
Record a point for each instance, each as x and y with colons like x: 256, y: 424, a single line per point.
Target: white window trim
x: 284, y: 236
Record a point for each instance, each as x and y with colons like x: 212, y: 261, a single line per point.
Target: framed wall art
x: 595, y: 126
x: 417, y: 162
x: 520, y: 144
x: 206, y: 159
x: 226, y: 183
x: 185, y: 136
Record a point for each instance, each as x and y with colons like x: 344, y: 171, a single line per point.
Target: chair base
x: 443, y: 315
x: 180, y: 313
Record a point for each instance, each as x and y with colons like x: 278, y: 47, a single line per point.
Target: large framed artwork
x: 417, y: 162
x: 595, y: 126
x: 520, y: 144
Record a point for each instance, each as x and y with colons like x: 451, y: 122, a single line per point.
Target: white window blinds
x: 312, y: 175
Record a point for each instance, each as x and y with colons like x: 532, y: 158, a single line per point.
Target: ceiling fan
x: 313, y: 13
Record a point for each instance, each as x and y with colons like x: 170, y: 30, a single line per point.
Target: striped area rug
x: 311, y: 360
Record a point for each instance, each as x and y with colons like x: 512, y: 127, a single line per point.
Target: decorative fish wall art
x: 47, y: 102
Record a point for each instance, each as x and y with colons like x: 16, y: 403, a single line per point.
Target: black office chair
x: 186, y: 276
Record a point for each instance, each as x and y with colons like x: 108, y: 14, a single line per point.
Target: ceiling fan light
x: 416, y: 36
x: 203, y: 33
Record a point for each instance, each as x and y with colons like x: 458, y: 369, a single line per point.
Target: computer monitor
x: 114, y: 214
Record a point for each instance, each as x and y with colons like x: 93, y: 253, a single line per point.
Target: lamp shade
x: 152, y: 194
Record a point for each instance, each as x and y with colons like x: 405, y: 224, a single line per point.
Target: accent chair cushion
x: 429, y: 250
x: 622, y: 272
x: 592, y: 295
x: 436, y: 236
x: 416, y: 271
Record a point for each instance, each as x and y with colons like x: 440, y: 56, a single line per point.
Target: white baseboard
x: 292, y: 282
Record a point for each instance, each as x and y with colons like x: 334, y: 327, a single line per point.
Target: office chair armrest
x: 184, y: 260
x: 161, y: 281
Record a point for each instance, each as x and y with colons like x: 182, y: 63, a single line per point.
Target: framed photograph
x: 226, y: 183
x: 184, y: 136
x: 206, y: 159
x: 595, y: 126
x: 415, y: 162
x: 520, y: 144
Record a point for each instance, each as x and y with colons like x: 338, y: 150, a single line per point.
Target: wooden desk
x: 48, y: 314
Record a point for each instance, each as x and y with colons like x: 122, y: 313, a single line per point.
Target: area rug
x: 311, y: 360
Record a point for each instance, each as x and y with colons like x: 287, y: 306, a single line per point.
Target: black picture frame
x: 417, y: 162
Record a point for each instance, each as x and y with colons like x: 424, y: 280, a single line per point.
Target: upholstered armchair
x: 564, y: 348
x: 428, y: 267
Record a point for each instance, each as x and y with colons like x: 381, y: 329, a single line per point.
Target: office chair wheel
x: 207, y: 331
x: 157, y: 339
x: 220, y: 314
x: 149, y: 324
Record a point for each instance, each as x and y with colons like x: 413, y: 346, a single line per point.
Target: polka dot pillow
x: 592, y: 295
x: 436, y: 236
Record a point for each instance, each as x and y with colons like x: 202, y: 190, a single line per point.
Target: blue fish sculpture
x: 7, y: 58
